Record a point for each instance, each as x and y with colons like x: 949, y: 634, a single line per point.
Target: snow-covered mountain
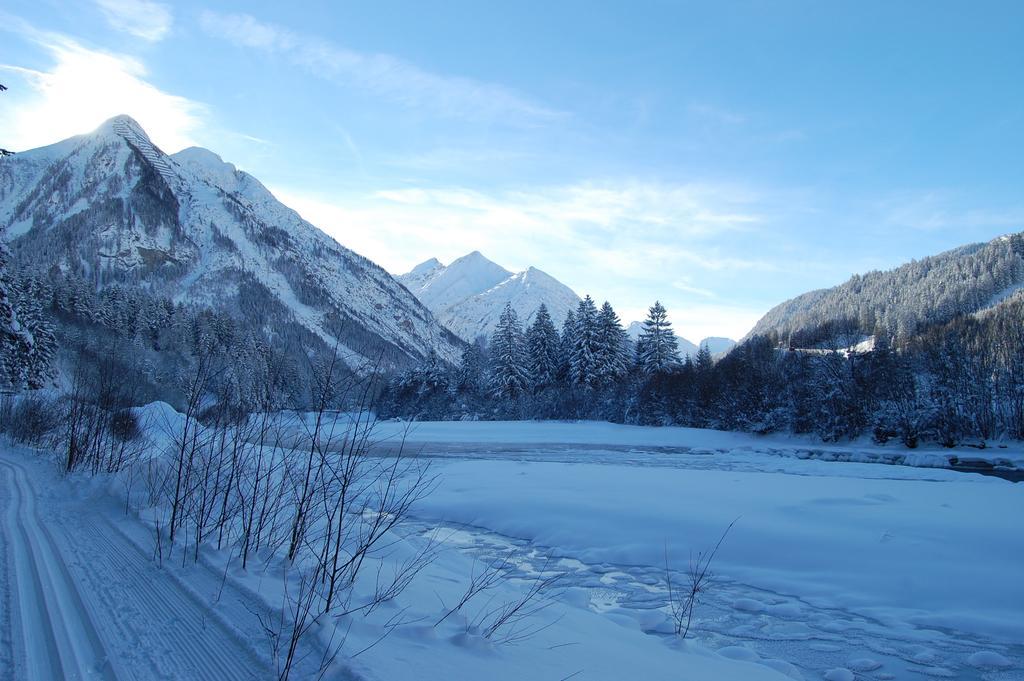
x: 439, y: 287
x: 112, y: 207
x: 469, y: 295
x: 718, y: 346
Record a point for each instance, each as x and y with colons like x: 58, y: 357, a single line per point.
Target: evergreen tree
x: 509, y: 377
x: 433, y: 375
x: 43, y: 347
x: 469, y: 378
x: 565, y: 346
x: 542, y: 349
x: 583, y: 349
x: 612, y: 346
x: 657, y: 350
x: 704, y: 380
x: 704, y: 359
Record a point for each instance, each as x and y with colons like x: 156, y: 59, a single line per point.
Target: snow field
x: 832, y: 569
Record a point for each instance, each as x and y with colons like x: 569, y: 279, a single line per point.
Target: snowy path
x: 796, y: 637
x: 53, y: 632
x: 83, y: 601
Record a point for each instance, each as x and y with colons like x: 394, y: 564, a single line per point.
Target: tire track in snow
x: 55, y: 631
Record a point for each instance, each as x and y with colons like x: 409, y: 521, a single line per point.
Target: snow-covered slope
x: 469, y: 295
x: 112, y: 207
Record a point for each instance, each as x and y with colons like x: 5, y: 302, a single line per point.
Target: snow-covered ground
x: 832, y: 571
x: 669, y: 442
x: 887, y: 571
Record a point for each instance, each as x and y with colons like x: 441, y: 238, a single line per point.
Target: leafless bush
x: 308, y: 487
x: 32, y: 419
x: 684, y: 598
x: 481, y: 580
x: 99, y: 432
x: 514, y: 621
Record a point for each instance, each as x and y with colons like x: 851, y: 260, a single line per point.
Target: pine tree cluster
x: 541, y: 373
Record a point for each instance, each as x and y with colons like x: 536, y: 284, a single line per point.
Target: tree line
x: 961, y: 381
x: 958, y: 381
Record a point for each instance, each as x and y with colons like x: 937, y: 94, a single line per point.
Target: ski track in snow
x: 86, y: 602
x: 743, y: 621
x: 54, y: 636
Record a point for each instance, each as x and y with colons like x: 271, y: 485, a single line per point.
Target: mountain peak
x: 199, y: 155
x: 439, y: 287
x: 476, y: 259
x: 209, y: 166
x: 533, y: 274
x: 418, y: 276
x: 124, y: 126
x: 426, y: 266
x: 469, y: 294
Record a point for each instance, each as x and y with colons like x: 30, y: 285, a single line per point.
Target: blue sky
x: 721, y: 157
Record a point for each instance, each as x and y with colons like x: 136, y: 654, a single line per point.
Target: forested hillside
x: 902, y: 301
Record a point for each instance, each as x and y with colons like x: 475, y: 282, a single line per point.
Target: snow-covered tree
x: 584, y: 346
x: 433, y: 374
x: 24, y: 362
x: 657, y: 349
x: 470, y: 375
x: 509, y: 377
x: 612, y: 356
x: 542, y: 349
x: 31, y: 293
x: 565, y: 339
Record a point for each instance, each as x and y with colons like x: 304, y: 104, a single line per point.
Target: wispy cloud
x: 142, y: 18
x: 83, y: 88
x: 382, y: 75
x: 641, y: 210
x: 627, y: 242
x: 687, y: 287
x: 716, y: 114
x: 936, y: 210
x: 456, y: 158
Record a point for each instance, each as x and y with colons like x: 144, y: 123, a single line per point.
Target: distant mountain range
x: 111, y: 207
x: 469, y: 295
